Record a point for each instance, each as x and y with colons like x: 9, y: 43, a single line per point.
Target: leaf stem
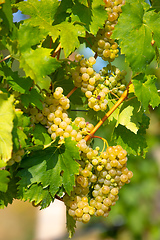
x: 71, y: 92
x: 57, y: 50
x: 57, y: 197
x: 5, y: 58
x: 120, y: 100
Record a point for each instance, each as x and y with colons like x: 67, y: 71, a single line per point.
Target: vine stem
x: 121, y: 99
x: 57, y: 197
x: 71, y: 92
x: 5, y: 58
x: 57, y: 50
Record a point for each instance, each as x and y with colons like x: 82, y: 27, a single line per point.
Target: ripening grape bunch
x: 55, y: 118
x: 101, y: 176
x: 114, y: 79
x: 100, y: 87
x: 104, y: 45
x: 83, y: 74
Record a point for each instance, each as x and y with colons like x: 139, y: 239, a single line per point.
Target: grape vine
x: 46, y: 150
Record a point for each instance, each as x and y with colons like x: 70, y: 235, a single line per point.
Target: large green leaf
x: 69, y: 34
x: 93, y: 17
x: 135, y: 144
x: 10, y: 194
x: 130, y: 115
x: 40, y: 135
x: 4, y: 180
x: 38, y: 195
x: 146, y: 91
x: 6, y: 126
x: 33, y: 97
x: 136, y: 36
x: 38, y: 63
x: 6, y: 17
x: 99, y: 16
x: 124, y: 119
x: 68, y: 153
x: 84, y: 2
x: 156, y: 4
x: 152, y: 20
x: 42, y: 14
x: 51, y: 167
x: 71, y: 225
x: 20, y: 84
x: 29, y: 35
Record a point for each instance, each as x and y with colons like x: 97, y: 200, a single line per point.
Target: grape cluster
x: 105, y: 46
x: 16, y: 157
x: 55, y: 118
x: 83, y: 75
x: 101, y: 176
x: 114, y: 79
x: 97, y: 100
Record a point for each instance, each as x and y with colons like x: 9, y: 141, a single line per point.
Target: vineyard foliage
x: 39, y: 67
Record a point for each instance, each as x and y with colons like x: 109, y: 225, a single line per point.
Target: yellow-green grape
x: 114, y: 80
x: 105, y: 46
x: 97, y: 100
x: 16, y: 157
x: 83, y: 75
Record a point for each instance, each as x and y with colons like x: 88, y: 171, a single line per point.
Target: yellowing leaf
x: 6, y: 126
x: 124, y: 119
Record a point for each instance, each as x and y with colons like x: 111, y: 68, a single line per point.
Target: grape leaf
x: 124, y: 119
x: 137, y: 35
x: 7, y: 17
x: 69, y: 34
x: 29, y: 36
x: 71, y: 224
x: 133, y: 143
x: 146, y: 91
x: 4, y: 180
x: 10, y: 194
x: 21, y: 125
x: 38, y: 63
x: 38, y: 195
x: 156, y: 4
x: 62, y: 11
x: 84, y: 2
x: 20, y: 84
x: 42, y: 14
x: 6, y: 126
x: 152, y: 20
x: 93, y: 16
x: 81, y: 13
x: 115, y: 114
x: 51, y: 167
x: 99, y: 16
x: 68, y: 153
x: 130, y: 115
x: 40, y: 135
x: 33, y: 97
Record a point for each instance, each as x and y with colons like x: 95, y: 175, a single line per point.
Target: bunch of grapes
x: 84, y: 75
x: 114, y: 79
x: 16, y: 157
x: 105, y: 46
x: 55, y: 118
x: 101, y: 176
x: 97, y: 100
